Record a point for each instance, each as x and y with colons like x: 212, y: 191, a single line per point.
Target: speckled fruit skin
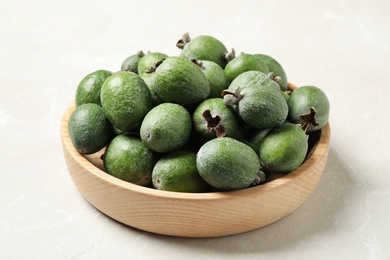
x: 205, y: 47
x: 178, y: 80
x: 131, y: 62
x: 128, y: 159
x: 89, y: 128
x: 252, y: 78
x: 227, y: 164
x: 149, y: 60
x: 302, y: 99
x: 177, y: 171
x: 229, y: 119
x: 166, y: 128
x: 88, y: 91
x: 216, y: 76
x: 126, y: 100
x: 283, y: 149
x: 262, y: 107
x: 275, y: 67
x: 242, y: 63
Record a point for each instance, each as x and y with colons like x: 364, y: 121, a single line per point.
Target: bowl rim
x: 319, y: 150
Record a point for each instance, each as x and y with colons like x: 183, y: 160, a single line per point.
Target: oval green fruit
x: 276, y: 68
x: 227, y: 164
x: 126, y: 100
x: 283, y: 149
x: 88, y: 91
x: 242, y: 63
x: 166, y: 128
x: 216, y: 76
x: 252, y: 78
x: 212, y: 118
x: 178, y: 80
x: 177, y: 171
x: 149, y: 60
x: 304, y: 98
x: 204, y: 47
x: 131, y: 62
x: 89, y: 128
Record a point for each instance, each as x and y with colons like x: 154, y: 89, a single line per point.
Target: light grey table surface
x: 47, y: 47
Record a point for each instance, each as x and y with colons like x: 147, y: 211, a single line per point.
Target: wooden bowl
x: 210, y: 214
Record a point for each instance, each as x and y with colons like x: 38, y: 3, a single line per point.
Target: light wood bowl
x: 211, y: 214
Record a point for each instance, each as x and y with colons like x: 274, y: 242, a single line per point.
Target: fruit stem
x: 140, y: 54
x: 183, y: 41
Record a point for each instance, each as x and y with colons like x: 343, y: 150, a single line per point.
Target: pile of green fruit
x: 203, y: 120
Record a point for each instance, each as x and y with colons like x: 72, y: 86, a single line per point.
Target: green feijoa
x: 126, y: 100
x: 216, y: 76
x: 261, y: 107
x: 212, y: 118
x: 203, y: 47
x: 227, y: 164
x: 176, y: 171
x: 166, y: 128
x: 257, y: 137
x: 178, y: 80
x: 89, y: 128
x: 283, y: 149
x: 88, y: 91
x: 252, y: 78
x: 149, y: 60
x: 242, y: 63
x: 274, y: 67
x: 128, y: 159
x: 131, y: 62
x: 300, y: 103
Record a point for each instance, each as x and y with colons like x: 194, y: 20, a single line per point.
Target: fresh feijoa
x: 89, y: 128
x: 203, y: 47
x: 227, y: 164
x: 126, y: 100
x: 128, y: 159
x: 176, y: 171
x: 212, y: 118
x: 242, y: 63
x: 131, y: 62
x: 260, y: 107
x: 252, y: 78
x: 166, y: 128
x: 88, y: 91
x: 283, y: 149
x: 276, y: 69
x: 309, y: 102
x: 149, y: 60
x: 216, y: 77
x: 178, y: 80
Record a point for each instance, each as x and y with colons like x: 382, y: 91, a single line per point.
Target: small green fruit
x: 274, y: 67
x: 242, y: 63
x: 252, y: 78
x: 216, y: 77
x: 88, y: 91
x: 131, y: 62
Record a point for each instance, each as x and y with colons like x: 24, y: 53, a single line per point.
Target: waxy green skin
x: 88, y: 91
x: 262, y: 107
x: 89, y: 128
x: 283, y: 149
x: 131, y: 62
x: 275, y: 67
x: 128, y: 159
x: 149, y: 60
x: 242, y: 63
x: 166, y: 128
x: 252, y: 78
x: 177, y: 171
x: 229, y: 119
x: 178, y: 80
x: 205, y: 47
x: 302, y: 99
x: 216, y: 76
x: 126, y: 100
x: 227, y: 164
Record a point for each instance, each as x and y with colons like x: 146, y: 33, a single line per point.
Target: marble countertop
x: 47, y: 47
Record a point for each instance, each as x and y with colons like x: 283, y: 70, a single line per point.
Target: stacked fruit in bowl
x: 204, y: 120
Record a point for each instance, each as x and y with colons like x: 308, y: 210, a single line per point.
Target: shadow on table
x: 316, y: 216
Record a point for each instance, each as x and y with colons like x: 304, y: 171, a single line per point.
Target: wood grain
x: 194, y: 215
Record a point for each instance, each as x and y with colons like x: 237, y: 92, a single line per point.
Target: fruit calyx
x: 308, y: 119
x: 230, y: 55
x: 231, y: 97
x: 277, y: 79
x: 197, y: 63
x: 155, y: 66
x: 213, y: 123
x: 183, y: 41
